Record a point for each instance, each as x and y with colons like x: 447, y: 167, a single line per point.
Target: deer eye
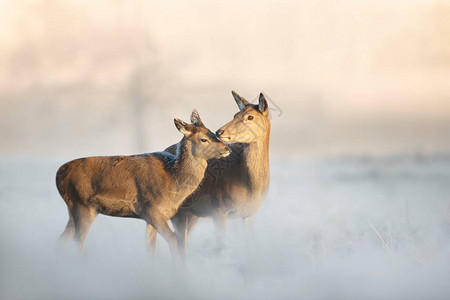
x: 203, y: 140
x: 250, y: 118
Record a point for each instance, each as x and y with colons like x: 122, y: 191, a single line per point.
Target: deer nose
x: 226, y: 152
x: 219, y: 132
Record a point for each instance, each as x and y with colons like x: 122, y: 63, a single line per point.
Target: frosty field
x: 348, y: 228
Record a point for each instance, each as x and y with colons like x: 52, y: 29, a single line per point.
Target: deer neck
x: 256, y: 164
x: 188, y: 170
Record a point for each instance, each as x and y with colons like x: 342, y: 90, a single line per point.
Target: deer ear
x: 262, y: 106
x: 183, y: 127
x: 195, y: 118
x: 241, y: 102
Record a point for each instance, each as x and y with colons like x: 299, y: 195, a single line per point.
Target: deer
x: 148, y: 186
x: 233, y: 187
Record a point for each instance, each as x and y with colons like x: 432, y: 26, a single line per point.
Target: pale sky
x: 354, y: 63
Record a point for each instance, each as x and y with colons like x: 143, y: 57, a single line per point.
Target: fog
x: 353, y: 228
x: 358, y: 206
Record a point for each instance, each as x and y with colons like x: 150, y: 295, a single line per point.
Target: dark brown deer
x: 233, y: 187
x: 146, y: 186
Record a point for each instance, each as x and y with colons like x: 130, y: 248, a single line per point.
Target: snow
x: 349, y: 228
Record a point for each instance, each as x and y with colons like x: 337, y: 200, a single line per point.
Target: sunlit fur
x: 146, y: 186
x: 239, y: 190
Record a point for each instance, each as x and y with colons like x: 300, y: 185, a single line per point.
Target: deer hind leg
x: 151, y: 239
x: 184, y: 222
x: 69, y: 232
x: 83, y: 217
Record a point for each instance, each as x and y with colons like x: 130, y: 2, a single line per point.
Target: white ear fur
x: 195, y: 118
x: 183, y: 127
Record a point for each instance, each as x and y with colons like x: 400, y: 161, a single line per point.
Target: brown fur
x: 147, y: 186
x: 233, y: 187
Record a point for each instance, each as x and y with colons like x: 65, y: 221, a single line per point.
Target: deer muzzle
x: 225, y: 152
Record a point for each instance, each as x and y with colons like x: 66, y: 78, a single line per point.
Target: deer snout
x: 220, y: 135
x: 225, y: 152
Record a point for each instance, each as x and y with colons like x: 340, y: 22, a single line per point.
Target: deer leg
x: 151, y: 239
x: 179, y: 222
x: 191, y: 222
x: 164, y: 230
x: 249, y: 225
x: 220, y: 221
x: 249, y: 229
x: 83, y: 219
x: 69, y: 232
x: 184, y: 222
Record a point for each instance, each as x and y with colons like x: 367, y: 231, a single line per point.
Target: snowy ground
x: 355, y: 228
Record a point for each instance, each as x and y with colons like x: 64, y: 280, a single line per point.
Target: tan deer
x: 146, y: 186
x: 233, y: 187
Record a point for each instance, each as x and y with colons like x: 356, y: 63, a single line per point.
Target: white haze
x: 316, y: 237
x: 362, y: 84
x: 101, y: 77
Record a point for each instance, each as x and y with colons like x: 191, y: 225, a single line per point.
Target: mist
x: 334, y: 229
x: 358, y: 205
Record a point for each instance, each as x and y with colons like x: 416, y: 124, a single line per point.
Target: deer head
x: 250, y: 124
x: 200, y: 140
